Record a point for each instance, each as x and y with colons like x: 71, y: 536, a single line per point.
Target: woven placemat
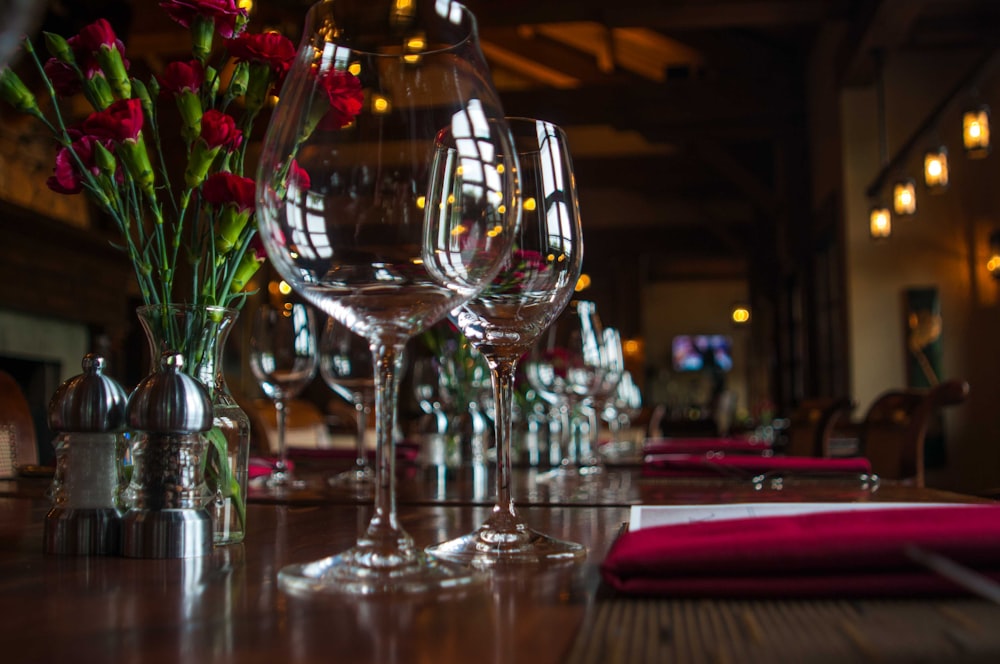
x: 691, y: 630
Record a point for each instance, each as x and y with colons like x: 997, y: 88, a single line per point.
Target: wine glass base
x: 355, y: 477
x: 279, y: 483
x: 357, y: 572
x: 488, y: 547
x: 568, y: 472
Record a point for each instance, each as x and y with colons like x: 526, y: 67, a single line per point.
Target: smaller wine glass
x: 570, y: 361
x: 283, y: 357
x: 612, y: 366
x: 346, y: 368
x: 502, y: 323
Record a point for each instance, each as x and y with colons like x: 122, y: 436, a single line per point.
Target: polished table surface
x: 227, y: 606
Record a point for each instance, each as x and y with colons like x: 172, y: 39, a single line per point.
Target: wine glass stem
x: 361, y: 412
x: 502, y: 376
x: 590, y: 441
x: 281, y: 465
x: 384, y: 529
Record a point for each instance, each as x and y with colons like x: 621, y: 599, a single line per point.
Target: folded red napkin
x: 845, y: 553
x: 262, y: 467
x: 718, y: 464
x: 702, y: 445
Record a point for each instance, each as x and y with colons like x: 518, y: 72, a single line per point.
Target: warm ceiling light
x: 741, y: 314
x: 879, y: 223
x: 993, y: 264
x: 904, y: 197
x: 976, y: 131
x: 936, y: 169
x: 583, y: 283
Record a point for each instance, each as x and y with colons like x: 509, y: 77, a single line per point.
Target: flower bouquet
x: 182, y: 207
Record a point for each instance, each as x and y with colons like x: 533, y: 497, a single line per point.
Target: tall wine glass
x: 346, y: 367
x: 382, y: 199
x: 283, y: 357
x: 504, y: 320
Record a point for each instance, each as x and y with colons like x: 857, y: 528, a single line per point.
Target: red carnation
x: 343, y: 89
x: 178, y: 77
x: 300, y: 177
x: 63, y: 78
x: 270, y: 48
x: 121, y: 121
x: 219, y: 130
x: 229, y: 19
x: 228, y: 188
x: 65, y: 177
x: 98, y: 34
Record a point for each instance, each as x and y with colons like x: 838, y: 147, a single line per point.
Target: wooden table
x: 227, y: 606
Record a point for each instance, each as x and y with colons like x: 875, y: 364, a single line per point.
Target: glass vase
x: 200, y: 333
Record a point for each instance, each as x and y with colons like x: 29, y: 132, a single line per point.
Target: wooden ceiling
x: 686, y: 118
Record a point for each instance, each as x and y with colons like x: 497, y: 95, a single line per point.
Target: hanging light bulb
x: 879, y: 222
x: 993, y: 264
x: 904, y: 197
x: 740, y: 314
x: 976, y: 131
x: 936, y: 169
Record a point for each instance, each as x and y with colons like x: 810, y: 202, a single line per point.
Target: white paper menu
x: 647, y: 516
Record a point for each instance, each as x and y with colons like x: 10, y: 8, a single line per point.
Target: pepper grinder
x: 166, y: 498
x: 87, y: 412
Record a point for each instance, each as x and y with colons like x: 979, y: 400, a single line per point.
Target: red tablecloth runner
x: 719, y: 464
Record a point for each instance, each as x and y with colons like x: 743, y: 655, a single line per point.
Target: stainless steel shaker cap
x: 170, y: 401
x: 89, y: 402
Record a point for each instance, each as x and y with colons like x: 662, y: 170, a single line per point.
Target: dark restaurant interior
x: 792, y: 241
x: 726, y: 153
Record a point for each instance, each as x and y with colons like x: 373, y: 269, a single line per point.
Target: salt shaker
x: 166, y: 517
x: 87, y: 412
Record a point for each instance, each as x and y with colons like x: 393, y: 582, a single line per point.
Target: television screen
x: 698, y: 352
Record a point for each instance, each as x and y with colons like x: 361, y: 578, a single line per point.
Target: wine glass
x: 503, y: 321
x: 569, y: 362
x: 381, y: 198
x: 612, y: 366
x: 283, y: 359
x: 346, y: 367
x: 619, y: 410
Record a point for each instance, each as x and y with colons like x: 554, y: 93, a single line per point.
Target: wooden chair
x: 18, y: 441
x: 894, y: 428
x: 810, y: 426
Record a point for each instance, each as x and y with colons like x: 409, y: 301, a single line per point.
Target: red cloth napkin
x: 262, y: 467
x: 848, y: 553
x: 718, y: 464
x: 703, y: 445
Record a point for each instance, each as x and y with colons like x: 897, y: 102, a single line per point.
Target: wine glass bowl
x: 382, y: 200
x: 533, y: 286
x: 283, y: 359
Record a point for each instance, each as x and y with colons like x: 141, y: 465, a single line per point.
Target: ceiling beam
x: 677, y: 14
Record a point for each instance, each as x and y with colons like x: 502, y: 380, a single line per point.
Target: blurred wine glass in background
x: 284, y: 356
x: 346, y: 368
